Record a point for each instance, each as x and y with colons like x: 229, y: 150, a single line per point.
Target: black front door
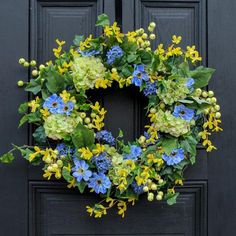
x: 32, y: 206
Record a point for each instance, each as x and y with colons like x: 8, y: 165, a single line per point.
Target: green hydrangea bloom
x: 85, y: 72
x: 58, y: 126
x: 173, y: 91
x: 167, y: 123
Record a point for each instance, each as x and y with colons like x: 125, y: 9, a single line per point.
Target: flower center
x: 173, y: 154
x: 81, y: 171
x: 99, y: 182
x: 54, y: 104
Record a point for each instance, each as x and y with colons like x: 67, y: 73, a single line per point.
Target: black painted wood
x: 32, y: 206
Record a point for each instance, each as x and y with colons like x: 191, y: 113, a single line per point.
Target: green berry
x: 20, y: 83
x: 55, y: 165
x: 198, y: 92
x: 48, y: 160
x: 210, y: 94
x: 218, y: 115
x: 145, y: 189
x: 21, y: 61
x: 160, y: 181
x: 90, y: 126
x: 217, y: 107
x: 150, y: 29
x: 160, y: 193
x: 152, y: 24
x: 26, y: 64
x: 49, y: 168
x: 144, y: 36
x: 152, y: 36
x: 204, y: 94
x: 159, y: 197
x: 150, y: 197
x: 154, y: 187
x: 213, y: 100
x: 93, y: 115
x: 82, y: 115
x: 34, y: 72
x: 41, y: 67
x: 60, y: 163
x: 87, y: 120
x: 33, y: 63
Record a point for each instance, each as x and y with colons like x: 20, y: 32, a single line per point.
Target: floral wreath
x: 69, y: 135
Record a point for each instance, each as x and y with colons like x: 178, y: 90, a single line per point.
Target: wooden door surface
x: 29, y: 205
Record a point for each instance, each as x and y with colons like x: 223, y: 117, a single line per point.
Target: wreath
x: 69, y: 135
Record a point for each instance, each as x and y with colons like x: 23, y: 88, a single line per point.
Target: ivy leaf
x: 23, y: 108
x: 202, y: 75
x: 78, y: 39
x: 82, y: 137
x: 23, y: 120
x: 39, y: 135
x: 55, y: 82
x: 172, y: 199
x: 131, y: 58
x: 169, y: 144
x: 184, y: 69
x: 34, y: 117
x: 81, y: 186
x: 103, y: 20
x: 146, y: 57
x: 66, y: 174
x: 7, y: 158
x: 33, y: 87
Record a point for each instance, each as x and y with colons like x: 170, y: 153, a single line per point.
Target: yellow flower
x: 66, y: 96
x: 34, y: 104
x: 179, y: 182
x: 71, y: 183
x: 60, y: 43
x: 37, y: 152
x: 86, y: 154
x: 131, y: 36
x: 176, y: 39
x: 96, y: 107
x: 47, y: 174
x: 210, y: 148
x: 204, y: 134
x: 108, y: 31
x: 45, y: 112
x: 90, y: 210
x: 86, y: 43
x: 171, y: 190
x: 99, y: 149
x: 192, y: 54
x: 122, y: 207
x: 160, y: 50
x: 103, y: 83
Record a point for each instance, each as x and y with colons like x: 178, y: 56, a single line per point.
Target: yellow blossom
x: 122, y: 207
x: 86, y: 154
x: 103, y: 83
x: 37, y: 152
x: 72, y: 183
x: 67, y: 97
x: 99, y: 149
x: 45, y: 112
x: 179, y: 182
x: 34, y: 104
x: 176, y: 39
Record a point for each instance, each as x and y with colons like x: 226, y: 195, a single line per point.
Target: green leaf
x: 39, y: 135
x: 34, y: 117
x: 82, y: 137
x: 33, y: 87
x: 23, y: 108
x: 184, y: 69
x: 66, y: 174
x: 7, y: 158
x: 103, y: 20
x: 81, y: 186
x: 78, y: 39
x: 131, y: 58
x: 169, y: 144
x: 23, y: 120
x: 55, y: 81
x: 202, y: 75
x: 172, y: 200
x: 146, y: 57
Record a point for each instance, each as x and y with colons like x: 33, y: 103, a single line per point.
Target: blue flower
x: 135, y: 152
x: 150, y: 88
x: 114, y: 53
x: 102, y: 162
x: 88, y: 53
x: 183, y: 112
x: 189, y: 84
x: 54, y: 104
x: 99, y: 182
x: 176, y: 156
x: 80, y: 171
x: 68, y: 107
x: 139, y: 75
x: 64, y: 150
x: 105, y: 136
x: 137, y: 189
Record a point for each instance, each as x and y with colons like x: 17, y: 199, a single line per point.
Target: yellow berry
x: 160, y: 181
x: 82, y: 115
x: 141, y: 139
x: 114, y: 70
x: 21, y: 61
x: 204, y: 94
x: 141, y: 30
x: 213, y: 100
x: 154, y: 187
x: 153, y: 110
x: 20, y: 83
x: 198, y: 92
x: 162, y: 105
x: 148, y: 49
x: 217, y: 107
x: 48, y: 160
x: 159, y: 197
x: 150, y: 29
x: 49, y: 168
x: 160, y: 193
x: 93, y: 115
x: 90, y: 126
x: 54, y: 165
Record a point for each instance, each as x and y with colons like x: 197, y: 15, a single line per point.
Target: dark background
x: 31, y: 206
